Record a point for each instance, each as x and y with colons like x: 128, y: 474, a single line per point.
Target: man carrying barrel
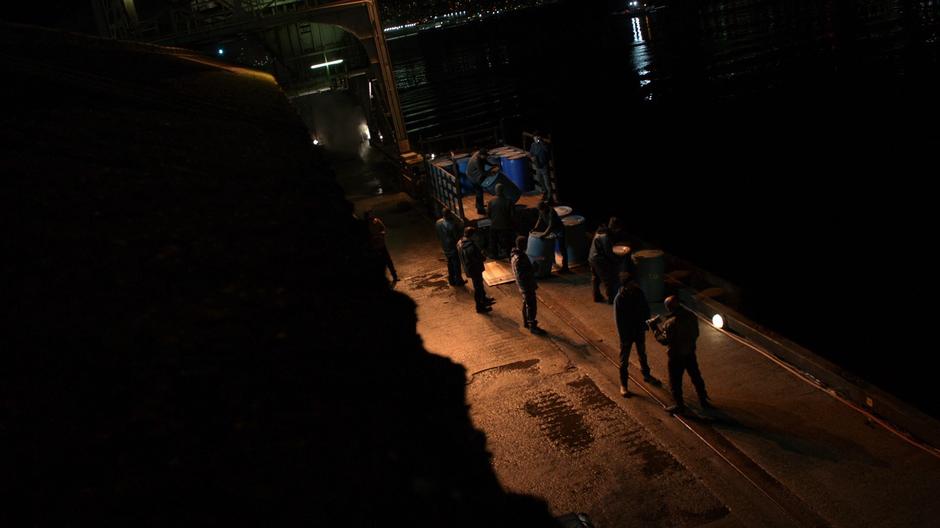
x: 549, y: 223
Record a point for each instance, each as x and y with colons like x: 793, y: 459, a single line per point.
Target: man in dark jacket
x: 525, y: 278
x: 477, y: 171
x: 500, y: 212
x: 538, y: 153
x: 448, y: 232
x: 550, y: 223
x: 377, y: 239
x: 472, y: 259
x: 603, y: 265
x: 679, y: 331
x: 631, y: 312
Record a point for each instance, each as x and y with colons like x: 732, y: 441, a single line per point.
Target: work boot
x: 625, y: 392
x: 598, y: 298
x: 484, y: 309
x: 648, y: 378
x: 676, y: 409
x: 489, y: 300
x: 706, y: 403
x: 536, y: 330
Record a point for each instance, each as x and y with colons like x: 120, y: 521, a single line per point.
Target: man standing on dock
x: 524, y: 272
x: 472, y: 259
x: 679, y: 331
x: 603, y: 265
x: 500, y: 212
x: 538, y: 153
x: 631, y: 312
x: 377, y: 238
x: 448, y: 231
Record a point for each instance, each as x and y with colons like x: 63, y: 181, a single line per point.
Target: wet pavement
x: 776, y: 452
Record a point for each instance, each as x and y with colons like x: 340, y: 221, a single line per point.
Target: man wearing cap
x: 679, y: 331
x: 524, y: 272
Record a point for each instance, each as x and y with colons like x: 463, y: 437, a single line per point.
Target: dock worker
x: 472, y: 259
x: 478, y: 168
x: 448, y: 232
x: 377, y: 233
x: 631, y: 312
x: 549, y: 223
x: 524, y: 272
x: 603, y: 265
x: 538, y: 153
x: 500, y: 212
x: 679, y: 332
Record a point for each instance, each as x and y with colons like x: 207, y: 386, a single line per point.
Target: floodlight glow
x: 325, y: 64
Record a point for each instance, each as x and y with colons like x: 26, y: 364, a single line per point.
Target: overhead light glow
x: 325, y: 64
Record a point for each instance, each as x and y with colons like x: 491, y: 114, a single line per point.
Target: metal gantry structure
x: 283, y: 37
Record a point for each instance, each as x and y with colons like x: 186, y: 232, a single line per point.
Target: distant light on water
x: 221, y: 52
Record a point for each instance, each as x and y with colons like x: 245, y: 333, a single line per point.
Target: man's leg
x: 676, y: 368
x: 625, y: 347
x: 453, y: 270
x: 479, y: 295
x: 641, y: 353
x: 481, y: 209
x: 542, y: 175
x: 696, y: 376
x: 388, y: 263
x: 596, y: 283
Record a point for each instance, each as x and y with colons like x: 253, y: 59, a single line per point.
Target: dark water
x: 789, y: 147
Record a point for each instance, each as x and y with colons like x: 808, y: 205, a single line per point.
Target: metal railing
x: 444, y: 185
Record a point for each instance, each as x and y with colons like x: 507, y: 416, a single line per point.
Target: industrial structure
x: 311, y: 47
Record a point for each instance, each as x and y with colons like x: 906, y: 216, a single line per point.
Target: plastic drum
x: 650, y: 266
x: 465, y: 185
x: 575, y: 238
x: 515, y: 166
x: 541, y: 251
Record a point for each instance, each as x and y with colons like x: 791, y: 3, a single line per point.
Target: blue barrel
x: 465, y: 185
x: 541, y: 251
x: 650, y: 266
x: 516, y: 166
x: 576, y: 239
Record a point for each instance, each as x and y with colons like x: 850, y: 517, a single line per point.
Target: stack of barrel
x: 544, y: 252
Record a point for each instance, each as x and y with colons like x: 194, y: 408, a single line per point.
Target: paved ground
x: 777, y: 452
